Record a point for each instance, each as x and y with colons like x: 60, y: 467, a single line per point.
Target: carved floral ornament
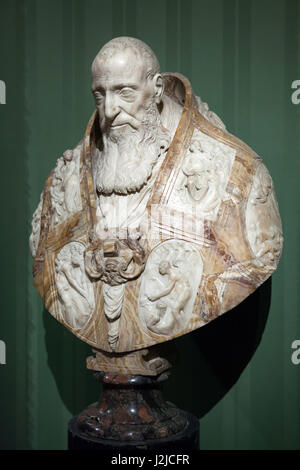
x: 159, y: 220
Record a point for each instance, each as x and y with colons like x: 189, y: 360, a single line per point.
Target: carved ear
x: 158, y: 87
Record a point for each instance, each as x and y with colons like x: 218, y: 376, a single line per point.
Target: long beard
x: 127, y: 159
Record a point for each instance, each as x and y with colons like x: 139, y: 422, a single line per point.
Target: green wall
x: 241, y: 57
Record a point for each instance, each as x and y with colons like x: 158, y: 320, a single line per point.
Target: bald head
x: 140, y: 52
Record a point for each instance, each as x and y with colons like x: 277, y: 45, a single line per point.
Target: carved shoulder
x: 36, y: 227
x: 263, y: 222
x: 64, y: 193
x: 65, y: 187
x: 208, y: 114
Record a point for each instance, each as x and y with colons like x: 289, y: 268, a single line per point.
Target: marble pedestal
x: 132, y: 415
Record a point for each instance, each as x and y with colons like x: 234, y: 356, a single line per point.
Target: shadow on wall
x: 211, y: 359
x: 67, y: 361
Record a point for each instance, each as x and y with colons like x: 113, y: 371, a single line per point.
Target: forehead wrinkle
x: 118, y: 66
x: 124, y: 72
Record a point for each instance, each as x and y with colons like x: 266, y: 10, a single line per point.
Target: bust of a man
x: 157, y: 222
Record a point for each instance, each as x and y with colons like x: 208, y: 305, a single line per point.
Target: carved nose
x: 111, y: 107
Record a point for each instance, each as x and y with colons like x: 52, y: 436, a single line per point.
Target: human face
x: 76, y: 258
x: 164, y: 268
x: 122, y: 91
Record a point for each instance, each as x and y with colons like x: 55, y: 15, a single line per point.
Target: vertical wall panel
x: 267, y: 138
x: 150, y: 14
x: 207, y: 52
x: 287, y: 170
x: 12, y: 153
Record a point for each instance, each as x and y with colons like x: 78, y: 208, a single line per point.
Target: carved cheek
x: 133, y: 109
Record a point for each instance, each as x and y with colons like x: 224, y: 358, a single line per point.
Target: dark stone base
x: 185, y: 440
x: 132, y: 414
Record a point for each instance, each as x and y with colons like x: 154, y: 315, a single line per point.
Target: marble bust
x: 156, y: 223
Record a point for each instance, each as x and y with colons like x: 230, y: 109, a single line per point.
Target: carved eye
x: 127, y: 93
x: 98, y: 97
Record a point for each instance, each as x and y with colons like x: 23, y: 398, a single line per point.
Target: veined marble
x: 157, y: 222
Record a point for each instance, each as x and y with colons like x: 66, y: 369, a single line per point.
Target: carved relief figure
x: 71, y: 183
x: 65, y: 189
x: 176, y: 295
x: 204, y: 176
x: 172, y: 272
x: 74, y: 288
x: 265, y: 231
x: 36, y: 227
x: 178, y: 286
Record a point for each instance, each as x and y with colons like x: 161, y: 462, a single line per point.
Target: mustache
x: 122, y: 119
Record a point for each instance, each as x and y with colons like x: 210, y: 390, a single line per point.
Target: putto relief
x: 169, y: 286
x: 76, y: 293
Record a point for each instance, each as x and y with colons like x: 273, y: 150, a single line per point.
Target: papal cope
x: 159, y: 220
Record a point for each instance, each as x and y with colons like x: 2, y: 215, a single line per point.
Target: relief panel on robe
x: 169, y: 286
x: 201, y: 183
x: 65, y: 188
x: 263, y: 222
x: 75, y: 290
